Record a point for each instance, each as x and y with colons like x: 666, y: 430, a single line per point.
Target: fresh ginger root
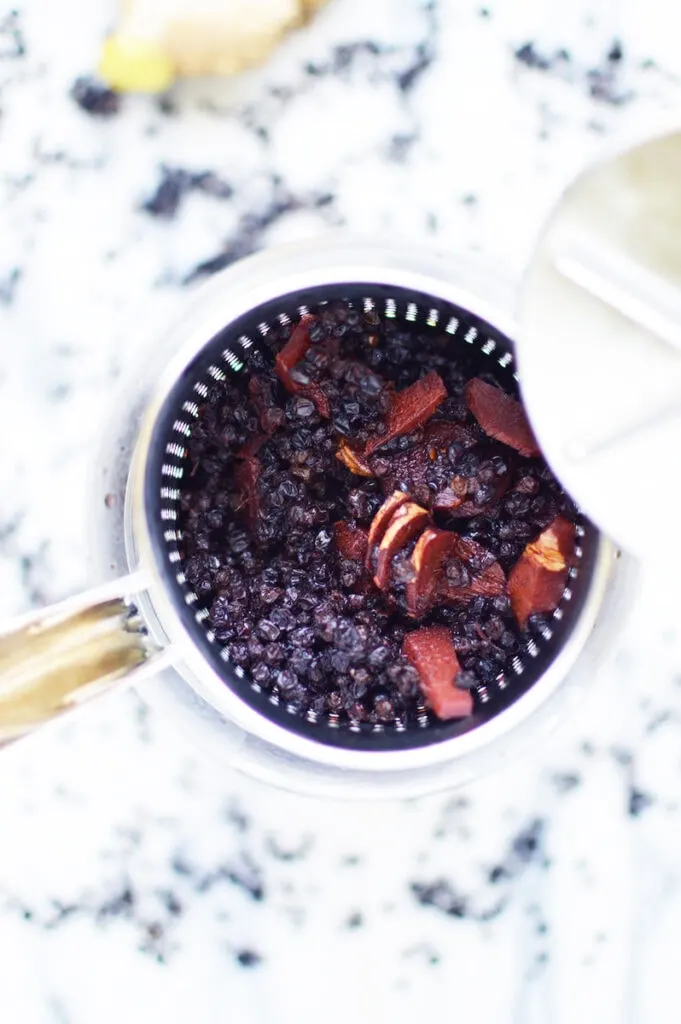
x: 159, y: 40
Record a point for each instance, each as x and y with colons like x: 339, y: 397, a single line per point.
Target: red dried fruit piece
x: 441, y: 434
x: 555, y: 546
x: 405, y: 524
x: 354, y: 459
x: 290, y: 355
x: 351, y: 541
x: 491, y: 582
x: 247, y: 476
x: 411, y: 468
x: 538, y: 578
x: 487, y: 576
x: 533, y: 589
x: 500, y: 416
x: 411, y: 408
x: 426, y: 560
x: 292, y: 352
x: 379, y: 524
x: 431, y: 651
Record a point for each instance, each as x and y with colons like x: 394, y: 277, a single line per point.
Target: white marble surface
x: 134, y: 874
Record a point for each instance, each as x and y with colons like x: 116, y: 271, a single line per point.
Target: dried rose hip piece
x: 405, y: 524
x: 427, y: 559
x: 555, y: 546
x: 538, y: 579
x: 533, y: 589
x: 351, y: 541
x: 287, y: 359
x: 431, y: 651
x: 472, y: 572
x: 292, y: 352
x: 500, y: 416
x: 354, y: 459
x: 411, y: 408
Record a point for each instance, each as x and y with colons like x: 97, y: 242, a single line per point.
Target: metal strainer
x: 158, y: 621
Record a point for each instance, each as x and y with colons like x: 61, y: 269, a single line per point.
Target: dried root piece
x: 292, y: 352
x: 287, y: 359
x: 411, y: 408
x: 431, y: 651
x: 405, y: 524
x: 354, y: 459
x: 500, y: 416
x: 427, y: 561
x: 538, y: 578
x: 379, y: 523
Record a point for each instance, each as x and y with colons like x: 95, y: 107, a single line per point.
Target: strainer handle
x: 55, y: 659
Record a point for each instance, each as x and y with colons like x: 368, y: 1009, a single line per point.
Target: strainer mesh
x: 226, y: 356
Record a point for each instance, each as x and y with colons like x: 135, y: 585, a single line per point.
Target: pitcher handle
x: 56, y: 658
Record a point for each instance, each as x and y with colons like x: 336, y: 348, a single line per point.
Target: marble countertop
x: 138, y: 881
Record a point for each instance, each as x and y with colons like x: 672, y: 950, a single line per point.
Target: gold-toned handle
x: 59, y: 657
